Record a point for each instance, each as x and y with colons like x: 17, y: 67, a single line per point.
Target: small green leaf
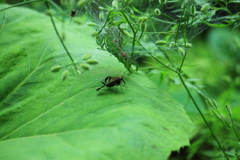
x: 181, y: 51
x: 65, y: 75
x: 131, y: 12
x: 49, y: 12
x: 126, y: 33
x: 143, y: 19
x: 229, y: 110
x: 56, y: 68
x: 92, y: 61
x: 94, y: 34
x: 193, y: 10
x: 87, y: 56
x: 216, y: 25
x: 84, y: 66
x: 162, y: 1
x: 157, y: 12
x: 91, y: 24
x: 143, y: 26
x: 115, y: 4
x: 101, y: 15
x: 188, y: 45
x: 81, y: 3
x: 79, y: 72
x: 101, y: 8
x: 171, y: 44
x: 205, y: 8
x: 160, y: 42
x: 211, y: 102
x: 214, y: 103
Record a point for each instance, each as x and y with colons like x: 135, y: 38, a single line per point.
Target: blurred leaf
x: 43, y: 117
x: 216, y: 25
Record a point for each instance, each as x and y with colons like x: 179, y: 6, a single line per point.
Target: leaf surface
x: 44, y: 117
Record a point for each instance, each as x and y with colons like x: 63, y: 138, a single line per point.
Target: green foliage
x: 44, y: 117
x: 204, y: 147
x: 175, y: 23
x: 214, y: 60
x: 164, y: 37
x: 42, y: 111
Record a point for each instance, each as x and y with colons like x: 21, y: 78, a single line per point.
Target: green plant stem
x: 200, y: 112
x: 108, y: 17
x: 236, y: 133
x: 184, y: 57
x: 4, y: 21
x: 19, y: 4
x: 134, y: 33
x: 55, y: 5
x: 55, y: 28
x: 155, y: 57
x: 179, y: 25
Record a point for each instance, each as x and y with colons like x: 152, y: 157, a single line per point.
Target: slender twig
x: 4, y: 21
x: 232, y: 126
x: 236, y: 133
x: 155, y: 57
x: 134, y: 33
x: 184, y: 57
x: 190, y: 95
x: 200, y: 112
x: 179, y: 24
x: 105, y: 22
x: 64, y: 46
x: 19, y: 4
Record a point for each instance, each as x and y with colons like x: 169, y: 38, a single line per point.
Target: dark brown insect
x: 112, y: 81
x: 124, y: 55
x: 73, y: 13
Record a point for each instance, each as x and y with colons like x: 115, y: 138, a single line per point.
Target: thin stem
x: 4, y: 21
x: 105, y: 22
x: 134, y: 33
x: 236, y: 133
x: 156, y: 58
x: 56, y: 6
x: 232, y: 126
x: 151, y: 16
x: 55, y: 28
x: 167, y: 57
x: 184, y: 57
x: 185, y: 32
x: 200, y: 112
x: 179, y: 25
x: 19, y: 4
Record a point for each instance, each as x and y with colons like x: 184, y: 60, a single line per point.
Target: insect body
x: 112, y: 81
x: 73, y: 13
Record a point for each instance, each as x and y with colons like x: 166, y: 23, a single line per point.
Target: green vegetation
x: 55, y: 55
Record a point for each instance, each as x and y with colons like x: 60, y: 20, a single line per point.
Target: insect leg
x: 102, y: 86
x: 116, y: 89
x: 122, y: 89
x: 123, y: 81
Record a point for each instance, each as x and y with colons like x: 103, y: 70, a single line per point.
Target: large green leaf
x: 44, y: 117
